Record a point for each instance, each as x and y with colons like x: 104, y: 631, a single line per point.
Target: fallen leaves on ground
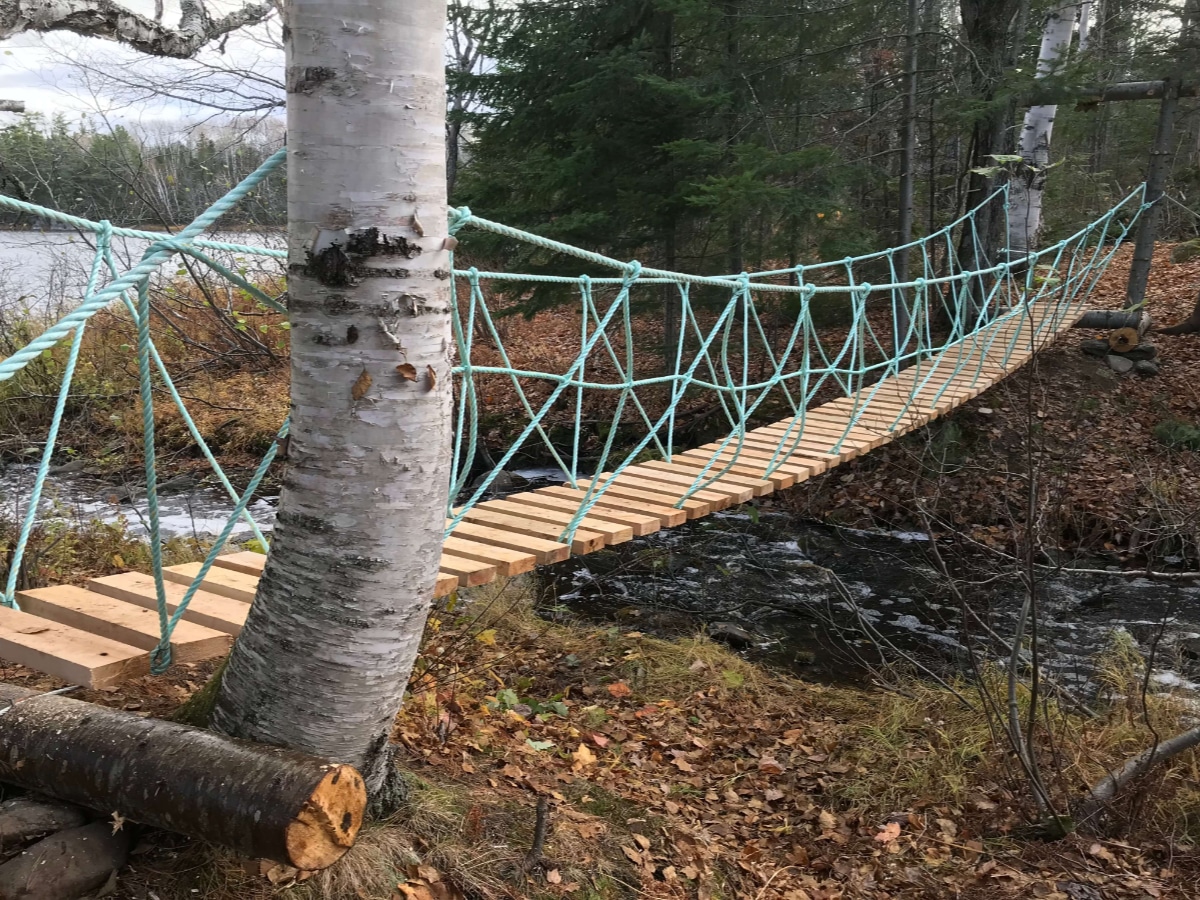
x: 711, y: 790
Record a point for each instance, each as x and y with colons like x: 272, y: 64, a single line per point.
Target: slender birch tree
x: 1029, y: 184
x: 322, y: 662
x: 325, y: 654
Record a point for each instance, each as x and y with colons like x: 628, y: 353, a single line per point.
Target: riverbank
x: 679, y: 769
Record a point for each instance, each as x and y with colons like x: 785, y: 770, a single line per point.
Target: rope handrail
x: 739, y: 357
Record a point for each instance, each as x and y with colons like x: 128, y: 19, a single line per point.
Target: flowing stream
x: 828, y: 603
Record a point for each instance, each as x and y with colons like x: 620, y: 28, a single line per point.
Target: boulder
x: 731, y: 634
x: 1095, y: 347
x: 26, y: 818
x: 1144, y: 350
x: 1146, y: 367
x: 1119, y: 364
x: 66, y: 865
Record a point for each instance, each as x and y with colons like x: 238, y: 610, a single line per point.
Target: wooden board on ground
x: 245, y: 561
x: 211, y: 610
x: 123, y: 622
x: 226, y: 582
x: 68, y: 653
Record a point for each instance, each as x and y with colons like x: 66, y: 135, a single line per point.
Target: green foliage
x: 634, y: 128
x: 1177, y: 434
x: 117, y: 176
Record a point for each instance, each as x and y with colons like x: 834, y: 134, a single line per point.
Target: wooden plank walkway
x: 101, y: 635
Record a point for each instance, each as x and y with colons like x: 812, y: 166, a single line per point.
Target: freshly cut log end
x: 1123, y: 339
x: 266, y: 802
x: 328, y: 824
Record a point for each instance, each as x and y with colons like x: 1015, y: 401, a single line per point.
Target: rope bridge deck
x: 100, y: 636
x: 914, y: 349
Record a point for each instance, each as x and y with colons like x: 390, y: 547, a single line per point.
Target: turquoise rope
x: 856, y: 363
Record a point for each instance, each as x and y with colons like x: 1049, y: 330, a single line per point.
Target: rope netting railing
x: 745, y: 347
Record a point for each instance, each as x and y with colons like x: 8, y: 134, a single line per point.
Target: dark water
x: 836, y: 604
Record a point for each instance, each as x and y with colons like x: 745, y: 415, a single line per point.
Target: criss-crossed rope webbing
x: 746, y: 346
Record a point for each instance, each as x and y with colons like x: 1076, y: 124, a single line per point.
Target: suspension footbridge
x: 783, y: 391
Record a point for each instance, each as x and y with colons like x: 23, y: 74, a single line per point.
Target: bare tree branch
x: 108, y: 20
x: 1103, y: 793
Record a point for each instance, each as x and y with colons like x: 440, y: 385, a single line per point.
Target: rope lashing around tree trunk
x: 725, y: 350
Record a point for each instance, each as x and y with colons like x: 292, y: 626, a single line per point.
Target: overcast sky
x: 59, y: 73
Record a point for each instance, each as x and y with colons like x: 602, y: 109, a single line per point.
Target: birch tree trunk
x: 908, y: 166
x: 1029, y: 184
x: 323, y: 659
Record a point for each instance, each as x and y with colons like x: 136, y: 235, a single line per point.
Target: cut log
x: 26, y: 818
x: 263, y: 801
x: 66, y: 865
x: 1114, y: 318
x: 1123, y: 340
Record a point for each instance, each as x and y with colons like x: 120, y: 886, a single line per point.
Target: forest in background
x: 706, y: 135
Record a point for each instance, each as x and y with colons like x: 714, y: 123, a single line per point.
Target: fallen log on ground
x: 1107, y: 789
x: 266, y: 802
x: 1115, y: 318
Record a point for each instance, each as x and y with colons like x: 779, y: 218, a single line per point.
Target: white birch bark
x: 112, y: 21
x: 1028, y: 185
x: 324, y: 657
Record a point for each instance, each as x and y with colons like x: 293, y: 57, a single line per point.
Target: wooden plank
x: 211, y: 610
x: 649, y: 481
x: 469, y: 572
x: 583, y: 542
x: 125, y: 623
x: 813, y: 445
x: 68, y: 653
x: 544, y: 551
x: 681, y: 479
x: 757, y: 486
x: 668, y: 516
x: 226, y: 582
x: 796, y: 463
x: 446, y: 584
x: 514, y: 505
x: 816, y: 424
x: 507, y: 562
x: 247, y: 562
x: 629, y: 489
x: 743, y: 463
x: 641, y: 523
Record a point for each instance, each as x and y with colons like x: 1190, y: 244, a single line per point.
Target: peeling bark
x: 111, y: 21
x: 1029, y: 184
x: 322, y: 662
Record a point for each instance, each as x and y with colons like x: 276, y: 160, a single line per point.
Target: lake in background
x: 48, y: 270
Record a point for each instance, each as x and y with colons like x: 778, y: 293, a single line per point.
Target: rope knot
x: 160, y: 658
x: 632, y: 272
x: 459, y: 217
